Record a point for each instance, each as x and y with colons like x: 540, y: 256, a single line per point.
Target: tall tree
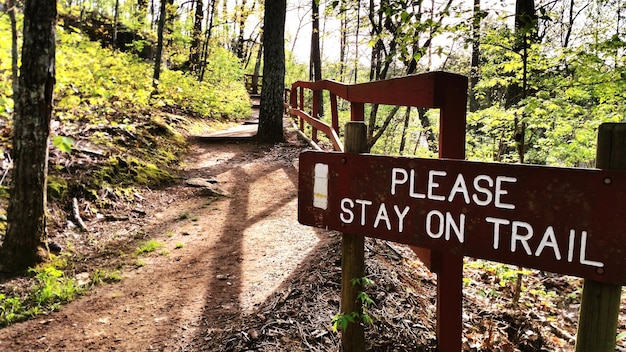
x: 271, y: 110
x: 315, y: 62
x: 204, y: 57
x: 405, y: 38
x: 12, y: 11
x: 25, y: 241
x: 242, y: 15
x: 343, y: 41
x: 116, y: 17
x: 475, y: 62
x: 196, y: 40
x: 526, y: 25
x: 257, y: 67
x: 159, y: 51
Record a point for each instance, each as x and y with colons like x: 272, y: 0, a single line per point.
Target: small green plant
x: 10, y: 309
x: 53, y: 287
x: 340, y: 321
x: 164, y: 252
x: 170, y: 234
x: 179, y: 245
x: 149, y: 247
x: 100, y: 276
x: 64, y: 144
x: 183, y: 216
x: 140, y: 262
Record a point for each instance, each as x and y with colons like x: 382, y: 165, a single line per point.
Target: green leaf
x: 65, y: 144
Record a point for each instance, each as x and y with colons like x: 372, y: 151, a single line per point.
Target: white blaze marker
x: 320, y: 186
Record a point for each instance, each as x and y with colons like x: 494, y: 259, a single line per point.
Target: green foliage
x: 63, y: 143
x: 100, y: 276
x: 57, y: 187
x: 11, y: 309
x: 149, y: 247
x: 51, y: 289
x: 571, y: 91
x: 104, y: 86
x: 340, y: 321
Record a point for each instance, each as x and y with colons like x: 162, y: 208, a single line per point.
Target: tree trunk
x: 12, y: 11
x: 205, y: 47
x: 315, y: 73
x: 405, y: 127
x: 343, y: 41
x: 25, y: 238
x: 115, y: 20
x: 257, y: 67
x: 159, y: 51
x: 475, y: 64
x: 525, y: 33
x: 196, y: 40
x: 240, y: 50
x: 271, y: 110
x: 315, y: 60
x: 142, y: 11
x: 356, y: 41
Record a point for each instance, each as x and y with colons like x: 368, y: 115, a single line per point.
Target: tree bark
x: 207, y: 37
x: 240, y: 49
x: 315, y: 73
x: 115, y: 23
x: 343, y: 39
x: 257, y: 67
x: 475, y: 64
x: 405, y: 127
x: 196, y: 40
x: 159, y: 51
x: 525, y: 33
x: 12, y: 11
x: 25, y: 238
x: 271, y: 110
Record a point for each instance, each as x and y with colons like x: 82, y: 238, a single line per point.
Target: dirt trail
x: 224, y: 257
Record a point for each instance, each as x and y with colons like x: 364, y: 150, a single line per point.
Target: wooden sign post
x: 353, y: 256
x: 599, y: 308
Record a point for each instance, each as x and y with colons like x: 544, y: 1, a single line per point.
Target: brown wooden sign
x: 563, y: 220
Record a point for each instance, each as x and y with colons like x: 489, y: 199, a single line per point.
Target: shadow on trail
x: 226, y: 278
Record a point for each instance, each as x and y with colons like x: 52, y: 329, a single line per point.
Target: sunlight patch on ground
x: 265, y: 267
x: 261, y: 202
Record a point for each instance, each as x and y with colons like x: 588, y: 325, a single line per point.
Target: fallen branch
x: 77, y: 217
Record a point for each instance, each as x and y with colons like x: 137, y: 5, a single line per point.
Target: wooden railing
x: 442, y: 90
x: 253, y: 83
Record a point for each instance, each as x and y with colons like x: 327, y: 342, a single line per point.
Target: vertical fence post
x: 600, y: 303
x: 353, y: 255
x: 301, y: 107
x: 449, y: 266
x: 333, y: 112
x: 316, y: 113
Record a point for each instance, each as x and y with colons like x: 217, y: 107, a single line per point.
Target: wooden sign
x: 563, y: 220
